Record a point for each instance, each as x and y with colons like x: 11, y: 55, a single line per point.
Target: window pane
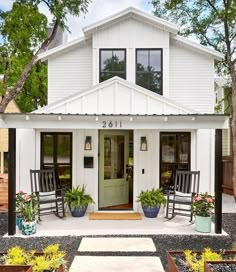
x: 114, y: 157
x: 112, y: 64
x: 47, y: 148
x: 184, y: 148
x: 105, y: 56
x: 155, y: 60
x: 118, y: 60
x: 142, y: 60
x: 168, y: 148
x: 63, y: 146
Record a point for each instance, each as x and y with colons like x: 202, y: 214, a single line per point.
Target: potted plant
x: 203, y: 205
x: 151, y: 201
x: 78, y: 201
x: 29, y: 212
x: 51, y: 259
x: 19, y: 206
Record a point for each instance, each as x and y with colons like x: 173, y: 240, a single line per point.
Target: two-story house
x: 127, y: 102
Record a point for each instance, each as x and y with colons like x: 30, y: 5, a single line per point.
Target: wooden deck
x: 3, y: 193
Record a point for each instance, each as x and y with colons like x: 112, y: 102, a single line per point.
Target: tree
x: 213, y: 22
x: 24, y: 36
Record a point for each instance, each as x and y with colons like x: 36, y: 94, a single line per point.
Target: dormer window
x: 149, y: 69
x: 112, y: 63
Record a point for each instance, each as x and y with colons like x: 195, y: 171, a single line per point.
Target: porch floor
x: 54, y: 226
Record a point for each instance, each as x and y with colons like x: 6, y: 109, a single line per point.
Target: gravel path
x: 163, y: 243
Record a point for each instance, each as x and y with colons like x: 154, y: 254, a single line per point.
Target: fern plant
x: 151, y: 198
x: 77, y: 197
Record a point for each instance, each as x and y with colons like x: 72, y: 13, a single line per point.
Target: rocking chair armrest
x: 168, y: 193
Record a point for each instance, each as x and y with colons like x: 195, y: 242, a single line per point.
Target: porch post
x: 11, y: 181
x: 218, y: 180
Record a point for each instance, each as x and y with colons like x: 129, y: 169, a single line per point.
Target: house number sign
x: 111, y: 124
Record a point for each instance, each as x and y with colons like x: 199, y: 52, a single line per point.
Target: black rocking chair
x: 50, y: 198
x: 186, y: 185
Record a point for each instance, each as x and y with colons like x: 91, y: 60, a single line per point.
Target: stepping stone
x: 116, y: 245
x: 116, y: 264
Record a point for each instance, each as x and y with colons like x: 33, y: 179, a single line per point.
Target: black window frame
x: 55, y: 165
x: 111, y: 49
x: 176, y: 164
x: 161, y: 65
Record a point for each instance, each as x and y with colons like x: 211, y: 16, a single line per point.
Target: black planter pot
x: 79, y: 212
x: 151, y: 212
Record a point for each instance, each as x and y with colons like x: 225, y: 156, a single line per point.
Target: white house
x: 128, y: 101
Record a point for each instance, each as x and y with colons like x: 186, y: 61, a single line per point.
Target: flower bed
x: 51, y: 259
x: 220, y: 266
x: 15, y: 268
x: 177, y: 261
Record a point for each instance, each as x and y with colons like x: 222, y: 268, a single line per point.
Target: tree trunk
x: 233, y: 76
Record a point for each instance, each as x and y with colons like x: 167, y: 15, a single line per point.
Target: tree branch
x: 20, y: 83
x: 213, y: 7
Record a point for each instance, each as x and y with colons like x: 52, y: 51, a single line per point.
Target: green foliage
x: 151, y: 198
x: 27, y: 206
x: 77, y: 197
x: 196, y: 263
x: 51, y: 259
x: 212, y: 22
x: 23, y: 31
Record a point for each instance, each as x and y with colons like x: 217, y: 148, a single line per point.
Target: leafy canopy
x: 24, y: 35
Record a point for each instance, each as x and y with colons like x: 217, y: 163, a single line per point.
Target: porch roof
x: 113, y: 121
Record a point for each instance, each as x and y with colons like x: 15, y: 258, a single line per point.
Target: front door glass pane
x: 114, y: 157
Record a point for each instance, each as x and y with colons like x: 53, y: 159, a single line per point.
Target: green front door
x: 114, y: 153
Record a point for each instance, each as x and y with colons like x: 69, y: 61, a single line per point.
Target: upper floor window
x: 149, y: 69
x: 112, y: 63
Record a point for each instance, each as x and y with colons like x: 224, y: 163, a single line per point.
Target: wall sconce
x: 88, y: 143
x: 143, y: 143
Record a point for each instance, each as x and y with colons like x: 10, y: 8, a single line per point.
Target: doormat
x: 114, y: 216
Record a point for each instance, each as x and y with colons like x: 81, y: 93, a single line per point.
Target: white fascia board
x: 131, y: 11
x: 70, y: 121
x: 44, y: 56
x: 210, y: 52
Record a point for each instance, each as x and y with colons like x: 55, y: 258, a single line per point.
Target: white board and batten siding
x: 131, y: 34
x: 191, y: 78
x: 69, y: 72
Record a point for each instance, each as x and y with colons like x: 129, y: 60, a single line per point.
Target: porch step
x: 105, y: 244
x: 116, y: 263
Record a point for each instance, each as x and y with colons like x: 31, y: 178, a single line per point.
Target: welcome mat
x: 114, y: 216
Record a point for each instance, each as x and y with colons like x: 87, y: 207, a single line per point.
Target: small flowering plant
x: 27, y: 206
x: 203, y: 204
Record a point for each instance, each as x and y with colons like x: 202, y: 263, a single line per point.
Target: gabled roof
x: 116, y: 96
x: 134, y: 13
x: 67, y: 46
x: 137, y: 14
x: 187, y: 42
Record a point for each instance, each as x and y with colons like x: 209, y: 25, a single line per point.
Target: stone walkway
x: 91, y: 263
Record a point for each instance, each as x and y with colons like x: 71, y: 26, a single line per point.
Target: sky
x: 97, y: 10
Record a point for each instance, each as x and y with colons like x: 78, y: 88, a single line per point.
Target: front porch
x: 54, y: 226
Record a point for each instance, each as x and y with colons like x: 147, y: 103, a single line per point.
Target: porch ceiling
x: 113, y: 121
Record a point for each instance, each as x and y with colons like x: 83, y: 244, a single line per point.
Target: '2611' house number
x: 111, y: 124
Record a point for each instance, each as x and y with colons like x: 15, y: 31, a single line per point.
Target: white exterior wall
x: 191, y: 78
x: 25, y: 158
x: 205, y: 159
x: 69, y: 72
x: 131, y: 34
